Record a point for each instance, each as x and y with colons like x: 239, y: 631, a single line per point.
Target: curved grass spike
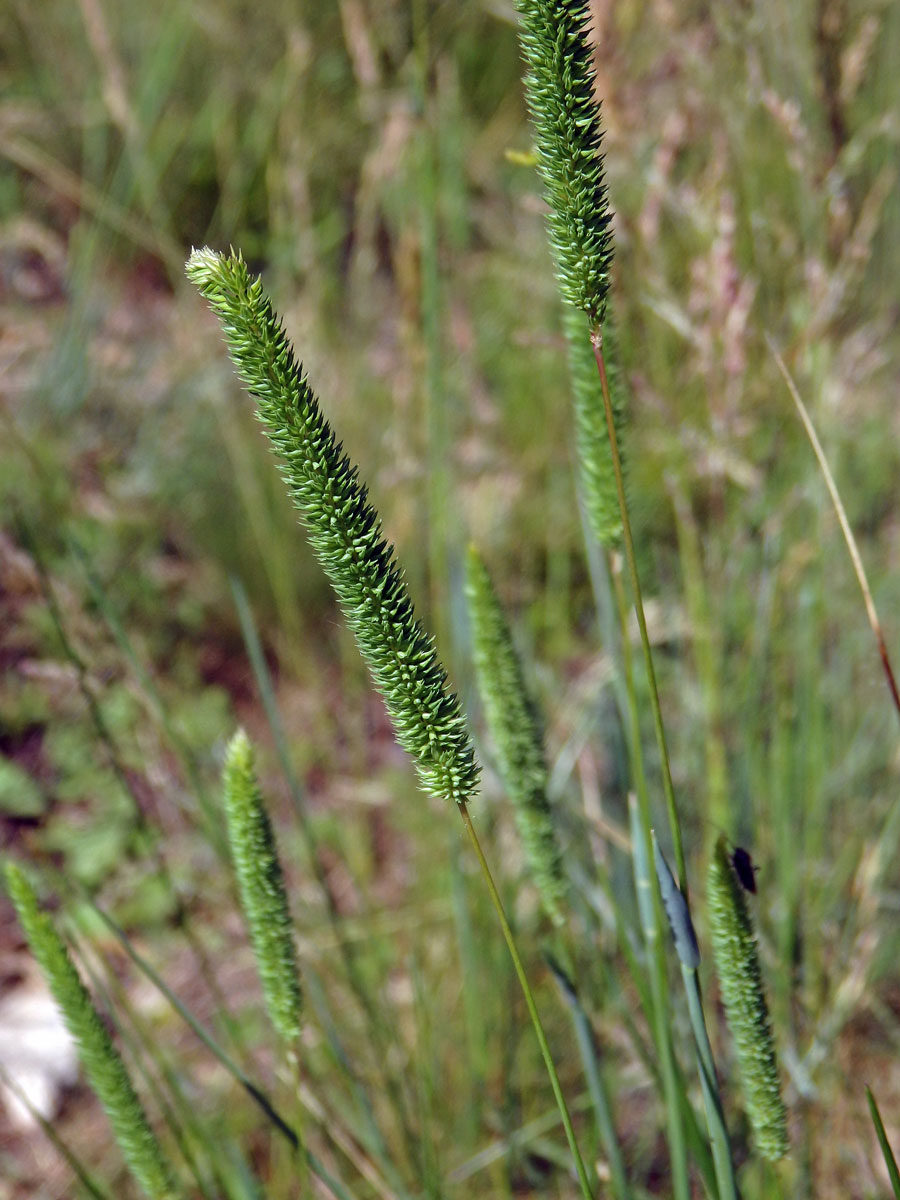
x: 344, y: 529
x: 740, y: 982
x: 102, y: 1063
x: 261, y: 882
x: 595, y: 465
x: 559, y: 89
x: 514, y: 726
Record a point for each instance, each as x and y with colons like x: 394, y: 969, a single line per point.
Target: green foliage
x: 740, y: 981
x: 344, y: 529
x: 20, y: 796
x: 595, y: 465
x: 566, y: 116
x: 263, y: 894
x: 102, y: 1062
x: 515, y: 729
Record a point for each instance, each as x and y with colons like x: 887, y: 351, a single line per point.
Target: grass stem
x: 530, y: 1003
x: 853, y: 549
x: 628, y: 540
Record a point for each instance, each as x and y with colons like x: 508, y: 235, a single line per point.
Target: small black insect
x: 744, y: 869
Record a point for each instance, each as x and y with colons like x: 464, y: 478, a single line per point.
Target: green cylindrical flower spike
x: 263, y: 894
x: 344, y: 529
x: 595, y: 464
x: 560, y: 95
x: 102, y: 1063
x: 740, y: 982
x: 515, y: 730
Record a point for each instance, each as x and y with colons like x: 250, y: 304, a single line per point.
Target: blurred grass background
x: 367, y: 155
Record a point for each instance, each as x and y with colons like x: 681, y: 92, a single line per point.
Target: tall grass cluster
x: 562, y: 1011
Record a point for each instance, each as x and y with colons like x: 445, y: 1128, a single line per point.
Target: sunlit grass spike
x: 559, y: 89
x: 261, y: 882
x: 740, y: 982
x: 344, y: 529
x: 102, y: 1063
x: 515, y: 730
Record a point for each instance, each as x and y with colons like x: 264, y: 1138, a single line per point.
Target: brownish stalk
x: 855, y: 556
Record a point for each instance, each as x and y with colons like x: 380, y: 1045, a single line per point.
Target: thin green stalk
x: 92, y: 1186
x: 473, y: 997
x: 440, y: 508
x: 500, y: 1148
x: 852, y: 548
x: 712, y: 1100
x: 597, y: 1088
x: 649, y: 906
x: 529, y: 1002
x: 674, y: 826
x: 651, y: 920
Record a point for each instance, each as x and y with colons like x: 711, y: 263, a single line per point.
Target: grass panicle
x: 344, y: 529
x: 740, y: 982
x: 102, y: 1063
x: 559, y: 89
x: 595, y: 465
x: 514, y: 726
x: 262, y: 890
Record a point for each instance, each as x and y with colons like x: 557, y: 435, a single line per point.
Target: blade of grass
x: 79, y: 1170
x: 853, y: 549
x: 889, y: 1161
x: 471, y: 974
x: 440, y: 508
x: 501, y: 1147
x: 857, y: 949
x: 599, y: 1093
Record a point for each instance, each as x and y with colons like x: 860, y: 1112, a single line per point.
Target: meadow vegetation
x: 373, y: 159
